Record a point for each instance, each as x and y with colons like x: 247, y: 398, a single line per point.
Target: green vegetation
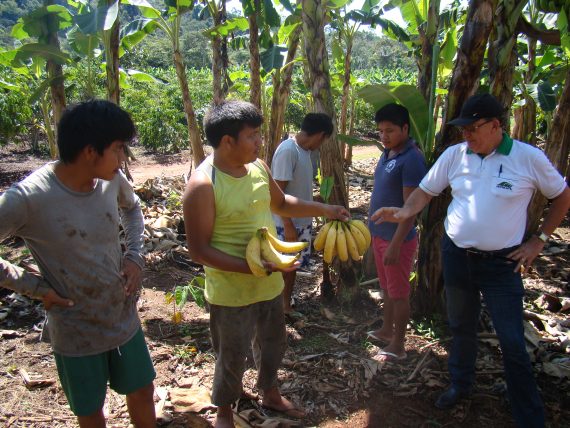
x: 433, y: 327
x: 149, y: 85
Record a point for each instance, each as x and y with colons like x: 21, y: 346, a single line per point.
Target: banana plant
x: 43, y: 24
x: 273, y: 48
x: 34, y: 79
x: 168, y: 20
x: 432, y: 37
x: 540, y: 64
x: 216, y: 9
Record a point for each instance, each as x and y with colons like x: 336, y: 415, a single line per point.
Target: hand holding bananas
x: 336, y: 212
x: 343, y: 240
x: 264, y: 253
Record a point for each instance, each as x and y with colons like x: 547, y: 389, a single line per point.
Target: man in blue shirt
x: 398, y: 173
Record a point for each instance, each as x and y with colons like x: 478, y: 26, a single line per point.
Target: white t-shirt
x: 293, y: 164
x: 491, y: 194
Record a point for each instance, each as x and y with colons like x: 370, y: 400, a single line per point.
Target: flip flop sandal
x: 372, y: 335
x: 389, y: 356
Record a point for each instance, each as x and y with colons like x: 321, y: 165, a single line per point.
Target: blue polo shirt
x: 406, y: 169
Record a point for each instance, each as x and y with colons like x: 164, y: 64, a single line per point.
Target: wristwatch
x: 543, y: 237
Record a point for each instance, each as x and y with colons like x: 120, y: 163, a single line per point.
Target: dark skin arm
x: 51, y: 298
x: 290, y: 231
x: 392, y: 254
x: 530, y: 249
x: 132, y: 275
x: 200, y: 211
x: 289, y: 206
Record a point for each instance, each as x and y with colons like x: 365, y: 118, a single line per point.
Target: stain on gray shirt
x: 74, y: 239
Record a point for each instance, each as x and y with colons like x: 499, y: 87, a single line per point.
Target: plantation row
x: 156, y: 105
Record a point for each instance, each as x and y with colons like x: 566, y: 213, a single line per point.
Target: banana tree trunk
x: 49, y: 129
x: 281, y: 89
x: 463, y: 84
x: 345, y: 93
x: 428, y: 38
x: 254, y: 63
x: 112, y: 61
x: 502, y: 53
x: 217, y: 69
x: 193, y: 132
x: 55, y: 74
x: 525, y: 116
x: 307, y: 78
x: 217, y: 62
x: 226, y: 82
x: 313, y: 13
x: 350, y: 130
x: 557, y: 150
x: 318, y: 65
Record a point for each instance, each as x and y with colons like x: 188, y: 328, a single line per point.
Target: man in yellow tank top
x: 229, y: 196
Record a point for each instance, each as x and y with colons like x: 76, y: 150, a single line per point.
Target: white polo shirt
x: 491, y: 194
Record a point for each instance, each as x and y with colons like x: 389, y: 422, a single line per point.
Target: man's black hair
x: 314, y: 123
x: 96, y: 123
x: 229, y: 118
x: 395, y: 113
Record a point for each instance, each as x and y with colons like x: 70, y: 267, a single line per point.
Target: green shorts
x: 84, y: 379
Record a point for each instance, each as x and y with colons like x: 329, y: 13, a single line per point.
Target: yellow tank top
x: 242, y: 206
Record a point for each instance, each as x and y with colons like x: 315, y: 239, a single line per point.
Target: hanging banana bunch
x: 345, y: 240
x: 263, y: 246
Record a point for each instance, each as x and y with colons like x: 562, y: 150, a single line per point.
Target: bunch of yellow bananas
x: 264, y: 246
x: 343, y: 240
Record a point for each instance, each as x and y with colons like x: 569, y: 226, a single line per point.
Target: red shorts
x: 395, y: 279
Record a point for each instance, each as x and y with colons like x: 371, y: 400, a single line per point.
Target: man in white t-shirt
x: 292, y: 169
x: 492, y: 179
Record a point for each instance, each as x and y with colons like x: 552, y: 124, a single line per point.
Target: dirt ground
x: 326, y: 369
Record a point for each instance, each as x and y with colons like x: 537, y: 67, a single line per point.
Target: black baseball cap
x: 482, y: 106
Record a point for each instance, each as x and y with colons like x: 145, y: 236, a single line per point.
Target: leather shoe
x: 450, y: 398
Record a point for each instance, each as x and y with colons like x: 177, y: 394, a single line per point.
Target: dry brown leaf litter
x: 327, y: 369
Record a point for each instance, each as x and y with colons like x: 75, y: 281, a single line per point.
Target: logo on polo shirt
x: 390, y: 166
x: 505, y: 185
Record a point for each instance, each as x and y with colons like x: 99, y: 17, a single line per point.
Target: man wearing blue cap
x: 492, y: 179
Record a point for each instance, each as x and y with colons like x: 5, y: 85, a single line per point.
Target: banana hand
x: 351, y: 243
x: 253, y: 257
x: 330, y: 244
x: 364, y: 230
x: 341, y: 243
x: 320, y: 239
x: 269, y: 254
x: 285, y: 247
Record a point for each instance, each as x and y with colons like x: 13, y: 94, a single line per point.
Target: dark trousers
x: 236, y: 331
x: 466, y: 276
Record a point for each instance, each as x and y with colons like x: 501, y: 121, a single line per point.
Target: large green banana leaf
x: 408, y: 96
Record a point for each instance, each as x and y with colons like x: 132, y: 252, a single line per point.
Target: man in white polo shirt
x: 492, y: 179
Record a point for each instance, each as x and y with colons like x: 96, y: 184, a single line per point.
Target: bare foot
x: 275, y: 401
x: 224, y: 418
x: 224, y: 422
x: 392, y: 352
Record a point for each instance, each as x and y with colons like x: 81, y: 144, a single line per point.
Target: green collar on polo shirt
x: 504, y: 147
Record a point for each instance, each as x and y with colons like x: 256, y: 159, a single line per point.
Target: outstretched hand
x: 132, y: 275
x: 51, y: 298
x: 389, y: 215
